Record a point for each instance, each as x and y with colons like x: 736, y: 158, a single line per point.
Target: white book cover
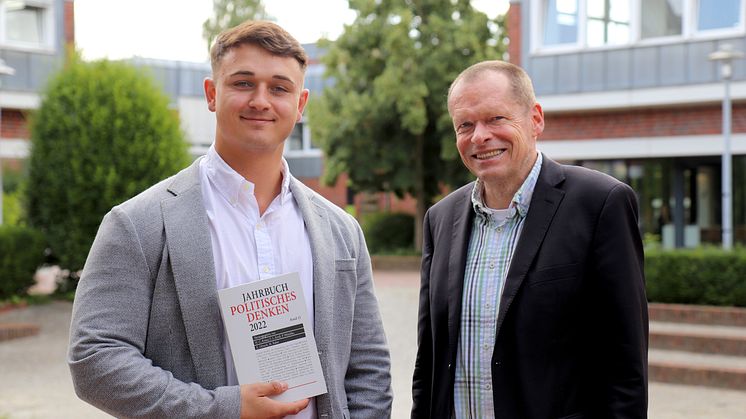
x: 271, y: 337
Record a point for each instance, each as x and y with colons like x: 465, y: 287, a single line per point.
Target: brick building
x: 627, y: 88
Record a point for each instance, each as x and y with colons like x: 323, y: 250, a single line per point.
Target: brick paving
x: 35, y: 381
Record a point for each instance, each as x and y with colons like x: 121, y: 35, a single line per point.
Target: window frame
x: 689, y: 31
x: 48, y: 28
x: 307, y: 149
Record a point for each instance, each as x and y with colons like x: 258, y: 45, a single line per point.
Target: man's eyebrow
x: 252, y: 74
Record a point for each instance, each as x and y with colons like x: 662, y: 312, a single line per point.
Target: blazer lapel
x: 544, y: 203
x: 463, y: 218
x: 322, y: 251
x: 190, y: 251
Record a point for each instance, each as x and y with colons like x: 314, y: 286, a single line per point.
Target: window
x: 299, y: 141
x: 608, y: 22
x: 718, y: 14
x: 295, y: 141
x: 661, y: 18
x: 26, y: 23
x: 561, y: 23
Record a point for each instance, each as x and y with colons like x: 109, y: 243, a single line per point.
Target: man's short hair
x: 266, y: 35
x: 520, y: 83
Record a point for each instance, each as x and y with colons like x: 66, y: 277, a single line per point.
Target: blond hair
x: 520, y: 83
x: 266, y: 35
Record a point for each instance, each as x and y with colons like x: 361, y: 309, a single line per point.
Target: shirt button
x: 499, y: 229
x: 266, y: 269
x: 488, y: 386
x: 492, y: 265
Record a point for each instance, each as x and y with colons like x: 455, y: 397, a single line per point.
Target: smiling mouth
x: 256, y: 119
x: 489, y: 154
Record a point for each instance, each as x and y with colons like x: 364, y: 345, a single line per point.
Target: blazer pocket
x: 345, y: 264
x: 574, y: 416
x: 553, y: 274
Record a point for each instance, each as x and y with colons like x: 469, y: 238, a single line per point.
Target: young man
x: 532, y: 302
x: 147, y: 339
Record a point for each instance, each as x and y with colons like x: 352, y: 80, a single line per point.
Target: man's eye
x: 280, y: 89
x: 242, y: 83
x: 497, y: 118
x: 466, y: 126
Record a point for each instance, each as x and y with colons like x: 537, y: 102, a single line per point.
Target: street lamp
x: 5, y: 70
x: 725, y: 55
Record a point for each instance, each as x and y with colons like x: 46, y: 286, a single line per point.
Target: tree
x: 229, y: 13
x: 103, y: 133
x: 385, y: 121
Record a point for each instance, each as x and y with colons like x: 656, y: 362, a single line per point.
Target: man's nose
x: 481, y: 133
x: 259, y: 99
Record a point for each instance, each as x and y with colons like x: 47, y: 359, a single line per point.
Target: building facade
x: 33, y: 39
x: 627, y: 89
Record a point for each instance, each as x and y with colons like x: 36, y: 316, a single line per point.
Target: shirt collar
x: 231, y: 185
x: 521, y: 199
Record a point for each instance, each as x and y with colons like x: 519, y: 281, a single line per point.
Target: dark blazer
x: 572, y: 329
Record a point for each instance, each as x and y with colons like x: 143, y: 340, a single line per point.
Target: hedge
x: 708, y: 276
x: 21, y: 252
x: 103, y: 133
x: 388, y: 232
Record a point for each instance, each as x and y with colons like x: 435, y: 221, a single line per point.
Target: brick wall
x: 652, y: 122
x: 69, y: 16
x: 14, y: 124
x: 513, y: 23
x: 336, y: 193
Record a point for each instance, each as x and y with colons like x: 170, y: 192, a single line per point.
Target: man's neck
x: 264, y: 170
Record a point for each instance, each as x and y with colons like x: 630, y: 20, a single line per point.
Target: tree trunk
x: 419, y: 161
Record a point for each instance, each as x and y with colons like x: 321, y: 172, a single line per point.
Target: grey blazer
x: 145, y: 338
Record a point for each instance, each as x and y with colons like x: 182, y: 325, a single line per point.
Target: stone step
x: 696, y: 314
x: 709, y: 370
x: 722, y: 340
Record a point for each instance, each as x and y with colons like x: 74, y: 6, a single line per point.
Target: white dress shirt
x: 246, y: 246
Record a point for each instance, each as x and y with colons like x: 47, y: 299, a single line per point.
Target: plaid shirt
x: 493, y: 239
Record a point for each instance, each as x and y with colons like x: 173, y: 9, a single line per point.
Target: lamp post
x: 725, y: 56
x: 5, y: 70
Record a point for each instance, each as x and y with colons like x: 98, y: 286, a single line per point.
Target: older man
x: 532, y: 301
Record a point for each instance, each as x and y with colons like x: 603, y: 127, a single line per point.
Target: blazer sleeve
x: 108, y: 335
x: 368, y: 376
x: 422, y: 377
x: 621, y: 304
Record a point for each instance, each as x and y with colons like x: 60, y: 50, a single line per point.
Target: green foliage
x: 21, y: 252
x: 103, y: 133
x: 385, y: 120
x: 707, y: 276
x: 388, y: 232
x: 230, y: 13
x: 13, y: 213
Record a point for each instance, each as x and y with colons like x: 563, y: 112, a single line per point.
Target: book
x: 270, y: 336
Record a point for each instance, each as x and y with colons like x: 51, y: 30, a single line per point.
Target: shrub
x: 21, y: 252
x: 103, y: 133
x: 388, y: 232
x: 707, y: 276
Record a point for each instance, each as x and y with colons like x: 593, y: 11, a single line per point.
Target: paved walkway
x: 35, y: 382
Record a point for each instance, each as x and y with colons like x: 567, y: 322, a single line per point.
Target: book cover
x: 271, y: 337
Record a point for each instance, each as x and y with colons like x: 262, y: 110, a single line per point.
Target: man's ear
x: 302, y: 101
x: 537, y: 118
x: 210, y: 93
